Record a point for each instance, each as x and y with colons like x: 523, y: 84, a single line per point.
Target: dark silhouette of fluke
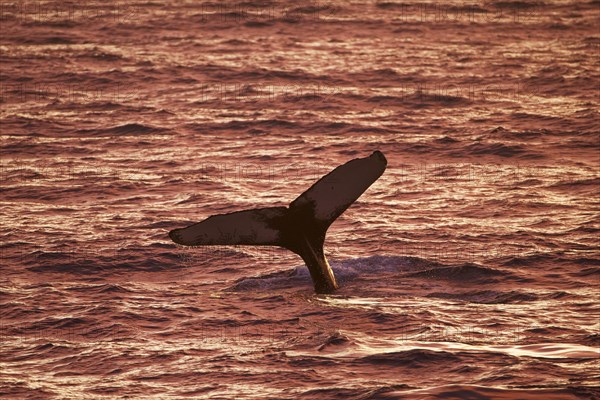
x: 301, y: 227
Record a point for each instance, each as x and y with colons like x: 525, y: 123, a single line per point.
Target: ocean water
x: 470, y: 269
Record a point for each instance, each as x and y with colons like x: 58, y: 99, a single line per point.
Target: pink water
x: 471, y: 268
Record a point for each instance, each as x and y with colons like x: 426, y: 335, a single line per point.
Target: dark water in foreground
x: 471, y: 269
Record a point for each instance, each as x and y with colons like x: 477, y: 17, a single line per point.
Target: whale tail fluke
x: 301, y: 227
x: 249, y: 227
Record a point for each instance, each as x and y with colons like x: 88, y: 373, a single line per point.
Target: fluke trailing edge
x: 301, y: 227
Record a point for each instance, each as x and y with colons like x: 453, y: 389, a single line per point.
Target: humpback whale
x: 301, y: 227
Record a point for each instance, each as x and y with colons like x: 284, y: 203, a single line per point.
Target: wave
x: 335, y: 342
x: 415, y: 100
x: 483, y: 392
x: 344, y: 271
x: 243, y: 125
x: 593, y: 271
x: 350, y: 270
x: 488, y: 297
x: 500, y: 149
x: 502, y: 133
x: 416, y: 358
x: 591, y: 184
x: 466, y: 272
x: 517, y: 4
x: 361, y: 346
x: 264, y: 76
x: 553, y: 259
x: 100, y: 289
x: 107, y: 261
x: 282, y: 126
x: 123, y: 130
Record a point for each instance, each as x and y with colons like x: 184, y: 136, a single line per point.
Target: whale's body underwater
x: 301, y: 227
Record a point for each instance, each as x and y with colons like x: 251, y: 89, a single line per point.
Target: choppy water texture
x: 469, y: 270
